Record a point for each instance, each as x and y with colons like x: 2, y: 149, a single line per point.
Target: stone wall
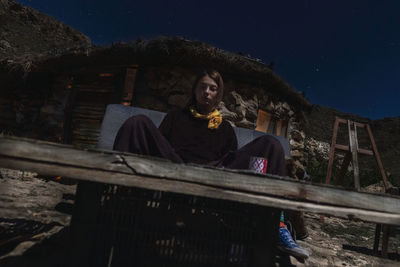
x: 35, y: 109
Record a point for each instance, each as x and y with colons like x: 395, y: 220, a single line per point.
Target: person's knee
x: 270, y: 141
x: 137, y: 120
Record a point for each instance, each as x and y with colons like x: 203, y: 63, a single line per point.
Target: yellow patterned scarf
x: 214, y: 118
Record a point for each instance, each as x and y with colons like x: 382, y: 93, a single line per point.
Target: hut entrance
x: 92, y: 90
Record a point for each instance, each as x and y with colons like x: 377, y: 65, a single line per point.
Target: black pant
x: 139, y: 135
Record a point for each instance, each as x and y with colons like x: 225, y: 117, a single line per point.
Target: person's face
x: 206, y: 93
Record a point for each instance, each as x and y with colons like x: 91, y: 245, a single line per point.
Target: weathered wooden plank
x: 354, y: 153
x: 332, y: 151
x: 360, y: 150
x: 147, y: 166
x: 152, y: 173
x: 158, y: 183
x: 60, y: 154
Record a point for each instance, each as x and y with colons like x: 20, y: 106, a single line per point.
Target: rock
x: 297, y: 154
x: 25, y: 196
x: 4, y: 44
x: 376, y: 188
x: 239, y: 104
x: 296, y: 145
x: 317, y: 149
x: 226, y: 113
x: 297, y: 135
x: 286, y: 106
x: 270, y: 106
x: 178, y: 100
x: 151, y: 102
x: 240, y: 111
x: 245, y: 124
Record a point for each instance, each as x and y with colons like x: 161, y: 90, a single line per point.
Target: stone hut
x: 62, y: 97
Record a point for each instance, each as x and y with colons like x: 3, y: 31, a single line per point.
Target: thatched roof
x: 165, y: 51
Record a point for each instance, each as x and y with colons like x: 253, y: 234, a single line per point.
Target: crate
x: 124, y: 226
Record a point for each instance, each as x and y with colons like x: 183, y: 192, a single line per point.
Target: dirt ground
x: 35, y: 214
x: 338, y: 242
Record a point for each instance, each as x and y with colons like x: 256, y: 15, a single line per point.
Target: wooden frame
x: 268, y: 123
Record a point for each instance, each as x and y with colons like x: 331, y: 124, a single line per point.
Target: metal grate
x: 137, y: 227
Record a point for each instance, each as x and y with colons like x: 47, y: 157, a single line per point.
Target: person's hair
x: 215, y: 76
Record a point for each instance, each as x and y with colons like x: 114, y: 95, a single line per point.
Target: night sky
x: 343, y: 54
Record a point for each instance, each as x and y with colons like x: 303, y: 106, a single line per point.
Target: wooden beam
x: 353, y: 140
x: 332, y: 151
x: 343, y: 170
x: 360, y: 150
x: 378, y: 158
x: 152, y: 173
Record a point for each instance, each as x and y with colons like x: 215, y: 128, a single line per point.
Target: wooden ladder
x: 352, y: 151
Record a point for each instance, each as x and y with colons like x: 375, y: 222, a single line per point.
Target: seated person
x: 198, y: 134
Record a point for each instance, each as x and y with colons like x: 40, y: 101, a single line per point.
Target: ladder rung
x: 341, y: 120
x: 365, y: 151
x: 360, y: 150
x: 342, y: 147
x: 361, y: 125
x: 358, y: 124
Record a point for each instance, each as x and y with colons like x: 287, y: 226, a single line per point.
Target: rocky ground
x: 337, y: 242
x: 35, y: 214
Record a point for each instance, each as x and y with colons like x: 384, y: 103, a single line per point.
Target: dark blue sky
x: 343, y: 54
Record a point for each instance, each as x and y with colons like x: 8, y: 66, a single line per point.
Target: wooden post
x: 385, y: 240
x: 343, y: 170
x: 83, y: 223
x: 127, y: 92
x: 354, y: 153
x: 378, y: 158
x: 332, y: 151
x: 378, y: 229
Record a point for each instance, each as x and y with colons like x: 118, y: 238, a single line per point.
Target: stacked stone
x: 317, y: 150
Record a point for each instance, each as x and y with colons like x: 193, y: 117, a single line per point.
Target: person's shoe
x: 288, y: 245
x: 298, y: 229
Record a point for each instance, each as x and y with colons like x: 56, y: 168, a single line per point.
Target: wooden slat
x: 263, y: 120
x: 278, y: 127
x: 360, y: 150
x: 341, y: 120
x: 127, y: 93
x: 377, y: 157
x: 354, y: 152
x: 201, y: 190
x: 332, y: 151
x: 342, y: 147
x: 151, y: 173
x: 361, y: 125
x: 343, y: 170
x: 365, y: 151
